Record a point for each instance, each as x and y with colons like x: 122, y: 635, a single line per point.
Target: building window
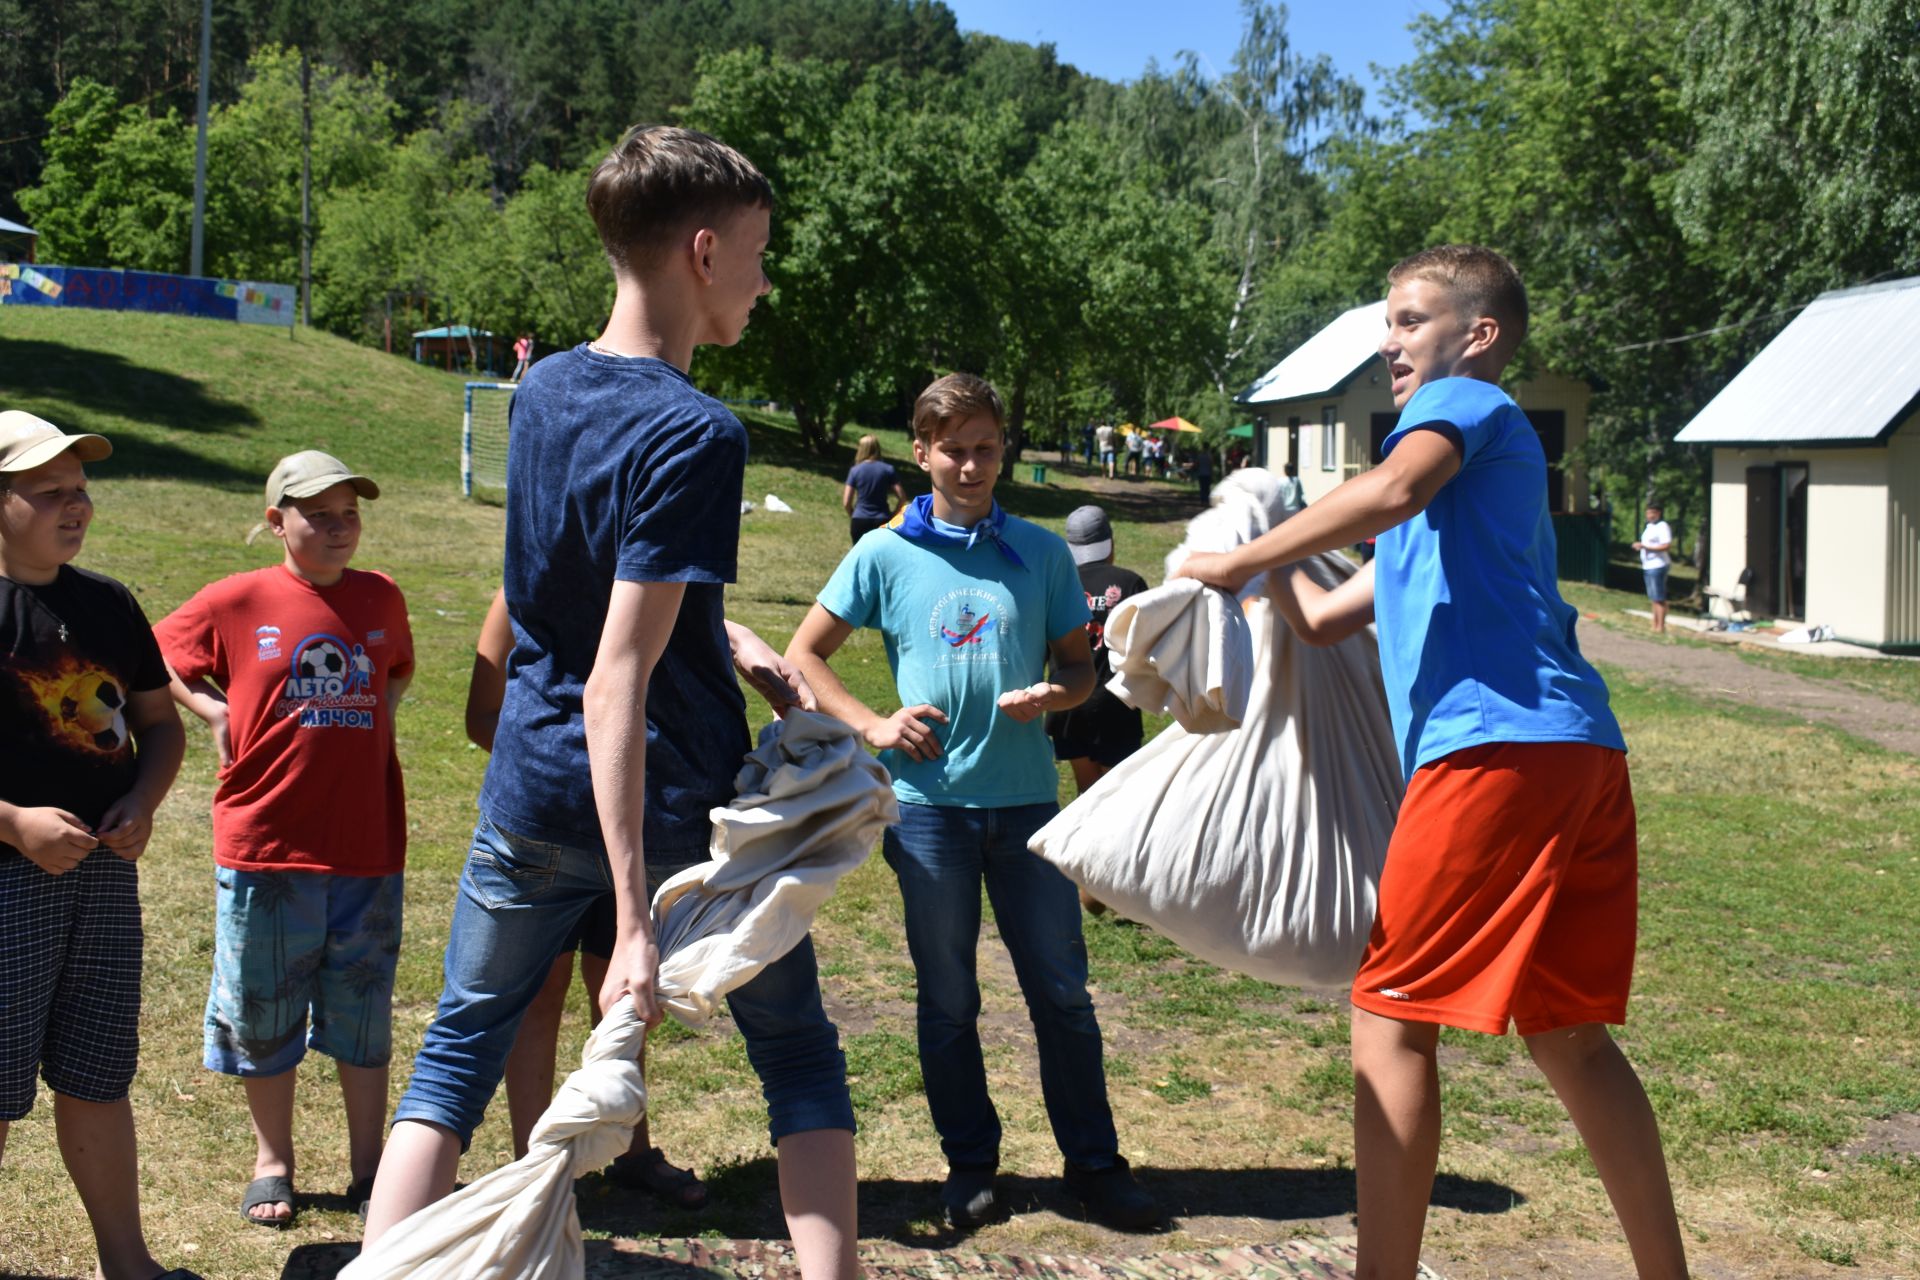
x: 1329, y: 456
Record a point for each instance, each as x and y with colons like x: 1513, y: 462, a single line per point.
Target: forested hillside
x: 1673, y: 179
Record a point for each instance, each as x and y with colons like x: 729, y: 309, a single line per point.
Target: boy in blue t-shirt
x: 622, y: 725
x: 1509, y: 893
x: 972, y: 603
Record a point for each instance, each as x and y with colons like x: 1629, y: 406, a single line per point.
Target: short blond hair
x: 868, y: 450
x: 950, y: 401
x: 1480, y: 281
x: 658, y: 182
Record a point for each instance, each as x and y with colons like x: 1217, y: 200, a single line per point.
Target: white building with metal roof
x: 1816, y: 469
x: 1328, y: 405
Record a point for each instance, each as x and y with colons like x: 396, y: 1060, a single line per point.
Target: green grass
x: 1774, y: 1017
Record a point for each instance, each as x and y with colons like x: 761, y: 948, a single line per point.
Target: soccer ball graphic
x: 94, y: 707
x: 321, y: 660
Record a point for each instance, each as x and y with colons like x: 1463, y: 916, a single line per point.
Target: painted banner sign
x: 246, y: 301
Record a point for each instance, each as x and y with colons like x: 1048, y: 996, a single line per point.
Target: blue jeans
x: 519, y: 902
x: 1657, y: 583
x: 941, y: 855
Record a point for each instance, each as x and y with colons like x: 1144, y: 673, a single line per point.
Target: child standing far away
x: 1510, y: 890
x: 297, y: 669
x: 972, y: 602
x: 1656, y: 561
x: 93, y: 743
x: 623, y: 724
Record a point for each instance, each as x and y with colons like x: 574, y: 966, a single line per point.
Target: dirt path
x: 1718, y: 673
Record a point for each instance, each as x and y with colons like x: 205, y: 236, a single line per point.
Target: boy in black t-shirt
x: 93, y: 745
x: 1102, y: 731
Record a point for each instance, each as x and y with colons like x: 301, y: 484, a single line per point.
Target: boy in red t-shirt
x: 297, y: 669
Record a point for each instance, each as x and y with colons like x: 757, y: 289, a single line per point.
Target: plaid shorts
x: 69, y: 979
x: 286, y: 942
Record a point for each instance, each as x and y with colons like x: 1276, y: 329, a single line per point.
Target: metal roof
x: 8, y: 224
x: 1323, y: 363
x: 1845, y: 370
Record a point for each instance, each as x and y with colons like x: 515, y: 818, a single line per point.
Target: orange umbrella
x: 1175, y: 424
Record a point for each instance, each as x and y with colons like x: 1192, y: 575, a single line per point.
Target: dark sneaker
x: 971, y: 1199
x: 1113, y: 1198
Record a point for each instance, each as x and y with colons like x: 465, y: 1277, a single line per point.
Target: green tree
x: 1274, y: 97
x: 254, y: 156
x: 117, y: 188
x: 1802, y: 175
x: 395, y: 233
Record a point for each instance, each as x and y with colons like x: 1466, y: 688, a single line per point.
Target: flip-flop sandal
x: 359, y: 1192
x: 650, y: 1172
x: 273, y: 1189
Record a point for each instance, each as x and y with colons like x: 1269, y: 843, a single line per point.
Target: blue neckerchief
x: 916, y: 523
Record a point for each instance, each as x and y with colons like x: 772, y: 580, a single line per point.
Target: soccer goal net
x: 483, y: 437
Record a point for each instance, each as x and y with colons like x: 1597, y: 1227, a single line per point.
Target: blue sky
x: 1113, y: 39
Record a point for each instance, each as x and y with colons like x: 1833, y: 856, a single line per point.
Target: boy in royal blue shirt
x: 972, y: 602
x: 622, y: 724
x: 1510, y: 886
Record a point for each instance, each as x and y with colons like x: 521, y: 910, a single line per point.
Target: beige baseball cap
x: 27, y: 441
x: 301, y: 475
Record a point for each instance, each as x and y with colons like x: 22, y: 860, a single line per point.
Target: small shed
x: 1328, y: 407
x: 1815, y: 501
x: 16, y: 242
x: 458, y: 346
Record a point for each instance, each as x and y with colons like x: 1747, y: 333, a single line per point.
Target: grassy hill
x: 1774, y: 1018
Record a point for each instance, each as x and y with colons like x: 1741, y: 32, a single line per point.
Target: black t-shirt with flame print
x: 71, y: 653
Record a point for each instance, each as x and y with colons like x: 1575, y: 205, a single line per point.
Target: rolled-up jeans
x: 518, y: 903
x: 941, y: 855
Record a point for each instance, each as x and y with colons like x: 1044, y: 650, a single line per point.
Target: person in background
x: 1202, y: 468
x: 1102, y: 731
x: 522, y: 355
x: 1656, y: 561
x: 1293, y: 496
x: 872, y: 492
x: 1105, y: 435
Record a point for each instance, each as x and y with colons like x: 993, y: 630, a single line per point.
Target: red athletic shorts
x: 1510, y: 892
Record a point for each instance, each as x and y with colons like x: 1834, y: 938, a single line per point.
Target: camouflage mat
x: 879, y: 1260
x: 625, y: 1259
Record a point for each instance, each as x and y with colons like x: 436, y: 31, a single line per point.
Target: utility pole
x: 197, y: 256
x: 306, y: 187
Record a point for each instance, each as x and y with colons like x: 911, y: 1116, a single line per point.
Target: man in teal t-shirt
x: 972, y: 604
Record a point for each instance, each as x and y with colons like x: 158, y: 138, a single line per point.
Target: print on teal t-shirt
x: 1476, y: 644
x: 962, y: 626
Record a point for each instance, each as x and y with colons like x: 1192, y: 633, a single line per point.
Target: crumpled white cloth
x: 1244, y: 505
x: 1258, y: 849
x: 810, y: 804
x: 1182, y: 649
